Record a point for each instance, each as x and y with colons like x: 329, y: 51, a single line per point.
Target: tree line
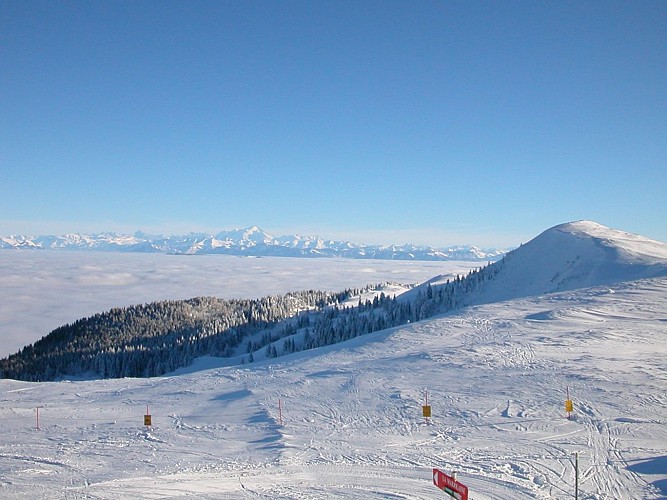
x: 159, y: 337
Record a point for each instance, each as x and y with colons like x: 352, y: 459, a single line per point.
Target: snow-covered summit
x: 246, y: 237
x: 574, y: 255
x: 633, y: 246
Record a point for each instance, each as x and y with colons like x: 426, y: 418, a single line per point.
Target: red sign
x: 450, y: 485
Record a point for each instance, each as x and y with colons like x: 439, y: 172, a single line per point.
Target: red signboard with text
x: 450, y: 485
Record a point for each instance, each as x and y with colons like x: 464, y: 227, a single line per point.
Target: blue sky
x: 378, y: 122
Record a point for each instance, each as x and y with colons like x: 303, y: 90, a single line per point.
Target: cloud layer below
x: 40, y: 291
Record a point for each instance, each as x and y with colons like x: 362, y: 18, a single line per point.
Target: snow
x: 496, y: 377
x: 345, y: 421
x: 570, y: 256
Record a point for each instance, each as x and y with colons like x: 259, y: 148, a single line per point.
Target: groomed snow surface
x: 346, y: 421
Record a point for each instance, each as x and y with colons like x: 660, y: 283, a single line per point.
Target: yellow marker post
x: 147, y: 418
x: 426, y: 408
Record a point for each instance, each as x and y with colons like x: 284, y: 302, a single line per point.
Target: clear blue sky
x: 374, y: 121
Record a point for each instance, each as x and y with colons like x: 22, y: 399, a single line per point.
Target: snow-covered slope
x: 579, y: 254
x: 567, y: 257
x: 346, y: 421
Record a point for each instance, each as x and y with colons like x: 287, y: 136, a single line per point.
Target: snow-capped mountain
x: 251, y: 241
x: 568, y: 257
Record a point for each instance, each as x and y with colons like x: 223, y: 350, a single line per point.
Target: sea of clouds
x: 40, y: 290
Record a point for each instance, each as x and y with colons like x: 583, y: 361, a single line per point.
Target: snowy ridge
x: 567, y: 257
x: 251, y: 241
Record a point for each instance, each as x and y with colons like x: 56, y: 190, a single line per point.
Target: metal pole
x: 576, y: 475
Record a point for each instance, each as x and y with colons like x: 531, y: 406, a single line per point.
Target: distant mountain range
x: 251, y: 241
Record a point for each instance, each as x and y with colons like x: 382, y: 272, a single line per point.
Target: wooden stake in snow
x: 426, y: 409
x: 147, y: 418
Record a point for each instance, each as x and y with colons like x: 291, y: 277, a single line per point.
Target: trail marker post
x: 147, y: 418
x: 426, y: 408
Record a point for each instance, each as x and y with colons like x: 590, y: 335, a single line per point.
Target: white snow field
x: 346, y: 421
